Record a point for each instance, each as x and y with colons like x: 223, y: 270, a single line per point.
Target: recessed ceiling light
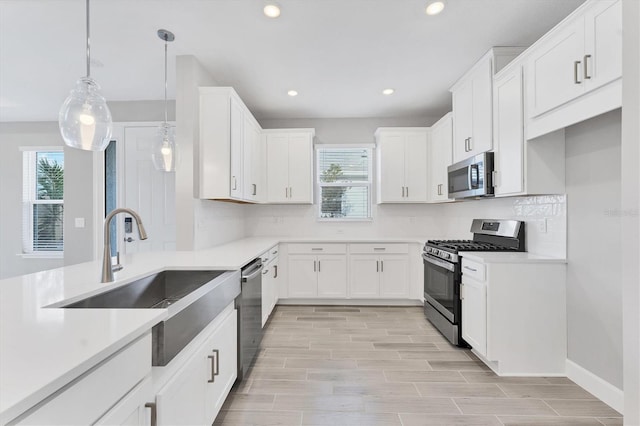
x: 388, y: 91
x: 271, y: 10
x: 434, y: 7
x: 292, y: 93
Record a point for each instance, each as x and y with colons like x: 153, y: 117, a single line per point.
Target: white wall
x: 630, y: 217
x: 200, y: 223
x: 594, y: 281
x: 12, y: 137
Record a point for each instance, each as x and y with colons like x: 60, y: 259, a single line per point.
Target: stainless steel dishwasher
x: 249, y: 306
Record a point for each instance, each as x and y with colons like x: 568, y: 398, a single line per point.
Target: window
x: 43, y: 205
x: 344, y: 182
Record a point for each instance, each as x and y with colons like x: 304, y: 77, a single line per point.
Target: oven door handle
x: 441, y: 263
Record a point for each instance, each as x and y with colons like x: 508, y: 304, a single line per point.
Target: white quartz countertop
x: 43, y: 347
x: 509, y: 257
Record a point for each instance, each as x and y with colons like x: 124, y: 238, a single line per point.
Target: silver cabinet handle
x: 379, y: 248
x: 215, y: 365
x: 314, y: 266
x: 154, y: 412
x: 255, y: 189
x: 466, y: 145
x: 407, y: 191
x: 235, y: 183
x: 403, y: 192
x: 586, y: 71
x: 377, y: 266
x: 265, y: 272
x: 317, y: 249
x: 494, y: 178
x: 382, y: 266
x: 439, y: 189
x: 274, y: 252
x: 286, y: 192
x: 470, y: 269
x: 461, y: 291
x: 290, y: 192
x: 275, y: 271
x: 576, y: 65
x: 318, y: 266
x: 470, y: 143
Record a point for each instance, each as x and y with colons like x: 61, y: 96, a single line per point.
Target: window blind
x: 344, y: 180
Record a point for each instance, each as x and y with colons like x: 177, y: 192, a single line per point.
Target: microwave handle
x: 473, y: 171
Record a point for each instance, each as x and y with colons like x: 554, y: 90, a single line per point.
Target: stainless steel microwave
x: 471, y: 177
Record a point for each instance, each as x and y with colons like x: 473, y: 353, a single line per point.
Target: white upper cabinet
x: 402, y: 164
x: 574, y: 72
x: 522, y: 167
x: 289, y: 165
x: 472, y: 104
x: 439, y: 158
x: 230, y: 158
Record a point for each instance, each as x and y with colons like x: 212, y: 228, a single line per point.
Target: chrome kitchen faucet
x: 107, y: 266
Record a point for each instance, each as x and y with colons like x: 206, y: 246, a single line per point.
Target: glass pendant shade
x: 165, y: 150
x: 84, y: 118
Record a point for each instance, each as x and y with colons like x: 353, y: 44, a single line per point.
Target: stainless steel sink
x: 192, y: 298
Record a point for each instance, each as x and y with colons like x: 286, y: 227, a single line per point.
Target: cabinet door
x: 394, y: 277
x: 267, y: 292
x: 391, y: 168
x: 332, y: 276
x: 221, y: 356
x: 416, y: 167
x: 474, y: 314
x: 440, y: 157
x: 365, y: 276
x: 482, y: 134
x: 252, y: 165
x: 277, y: 168
x: 554, y: 71
x: 237, y: 130
x: 275, y: 277
x: 131, y: 410
x: 462, y: 120
x: 603, y: 44
x: 300, y: 168
x: 303, y: 276
x: 509, y: 134
x: 182, y: 400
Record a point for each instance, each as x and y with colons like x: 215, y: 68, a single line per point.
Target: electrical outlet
x: 542, y: 225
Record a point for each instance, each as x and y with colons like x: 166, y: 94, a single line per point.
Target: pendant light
x: 84, y: 118
x: 165, y: 151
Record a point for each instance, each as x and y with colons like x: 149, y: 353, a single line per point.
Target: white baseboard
x: 351, y: 302
x: 602, y: 389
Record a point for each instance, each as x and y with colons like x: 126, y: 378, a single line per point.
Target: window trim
x: 318, y: 185
x: 29, y: 199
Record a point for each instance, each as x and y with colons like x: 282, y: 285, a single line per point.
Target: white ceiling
x: 338, y: 54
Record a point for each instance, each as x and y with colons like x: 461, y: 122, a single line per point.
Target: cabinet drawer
x: 379, y: 248
x: 93, y: 394
x: 321, y: 248
x: 269, y: 255
x: 473, y: 269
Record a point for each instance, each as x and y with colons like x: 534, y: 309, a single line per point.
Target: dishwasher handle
x: 252, y: 272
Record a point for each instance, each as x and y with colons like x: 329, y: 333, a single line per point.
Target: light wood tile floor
x: 371, y: 366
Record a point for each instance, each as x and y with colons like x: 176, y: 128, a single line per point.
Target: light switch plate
x: 542, y: 225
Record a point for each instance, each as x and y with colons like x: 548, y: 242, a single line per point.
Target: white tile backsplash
x: 433, y: 221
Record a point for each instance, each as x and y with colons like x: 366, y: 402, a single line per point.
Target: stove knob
x: 448, y: 256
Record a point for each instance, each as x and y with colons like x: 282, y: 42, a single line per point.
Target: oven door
x: 441, y: 286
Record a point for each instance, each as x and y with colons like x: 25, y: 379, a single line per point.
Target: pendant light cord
x: 166, y: 42
x: 88, y: 44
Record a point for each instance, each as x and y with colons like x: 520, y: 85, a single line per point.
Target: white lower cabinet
x: 385, y: 276
x: 196, y: 392
x: 270, y: 282
x: 474, y: 314
x: 514, y: 315
x: 317, y: 276
x: 135, y: 409
x: 91, y: 396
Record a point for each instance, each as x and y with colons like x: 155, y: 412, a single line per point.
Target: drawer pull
x: 215, y: 365
x: 382, y: 266
x: 470, y: 269
x: 317, y: 249
x: 379, y: 248
x: 377, y: 266
x: 154, y: 412
x: 275, y: 271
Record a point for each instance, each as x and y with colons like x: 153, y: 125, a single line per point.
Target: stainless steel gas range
x: 442, y: 274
